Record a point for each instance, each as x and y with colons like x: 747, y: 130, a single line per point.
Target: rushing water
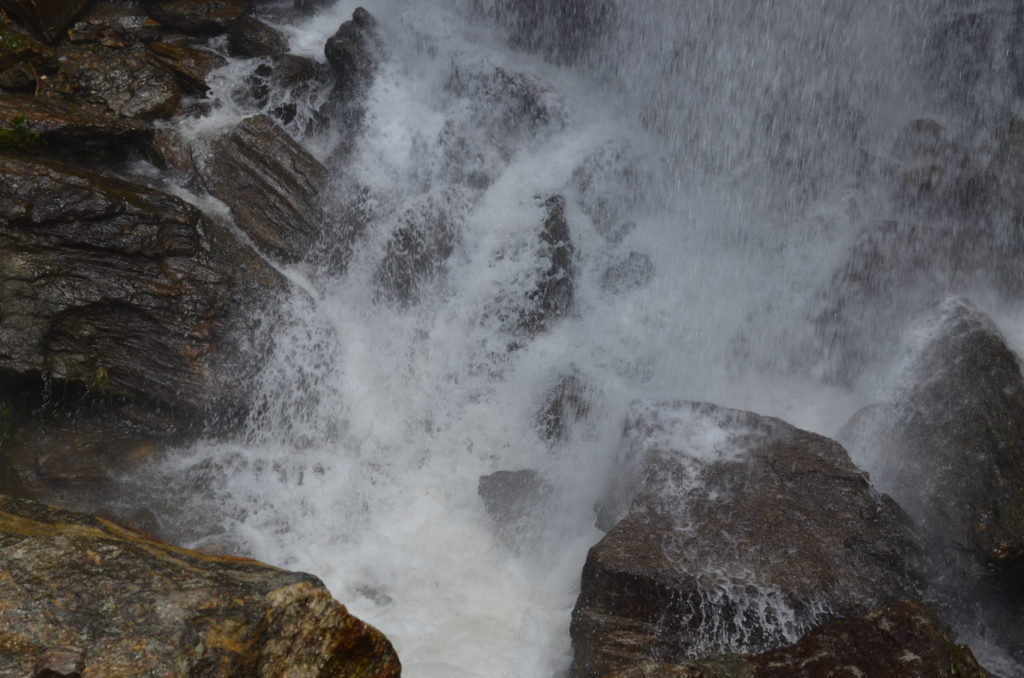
x: 719, y: 158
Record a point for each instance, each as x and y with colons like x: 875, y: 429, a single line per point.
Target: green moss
x: 10, y: 42
x: 17, y: 136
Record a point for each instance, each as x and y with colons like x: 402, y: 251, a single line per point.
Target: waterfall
x: 717, y: 163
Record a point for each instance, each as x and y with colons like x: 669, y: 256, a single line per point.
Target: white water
x: 379, y: 420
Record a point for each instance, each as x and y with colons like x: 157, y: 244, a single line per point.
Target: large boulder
x: 272, y: 185
x: 37, y: 124
x: 123, y: 289
x: 201, y: 17
x: 117, y: 603
x: 250, y: 37
x: 352, y: 53
x: 949, y: 444
x: 741, y: 533
x: 899, y: 640
x: 132, y: 84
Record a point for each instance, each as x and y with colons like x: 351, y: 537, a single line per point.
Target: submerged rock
x: 132, y: 606
x: 741, y: 533
x: 415, y: 253
x: 191, y: 65
x: 555, y: 292
x: 272, y: 185
x: 126, y: 83
x: 564, y: 406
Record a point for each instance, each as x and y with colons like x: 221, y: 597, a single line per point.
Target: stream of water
x: 717, y: 160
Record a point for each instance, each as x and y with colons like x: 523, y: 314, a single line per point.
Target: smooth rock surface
x: 136, y: 607
x: 741, y: 533
x: 272, y: 185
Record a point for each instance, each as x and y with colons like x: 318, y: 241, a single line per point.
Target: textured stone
x: 47, y: 18
x: 137, y: 607
x: 37, y: 125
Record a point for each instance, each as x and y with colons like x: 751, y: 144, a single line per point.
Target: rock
x: 46, y: 18
x: 250, y: 37
x: 741, y: 533
x: 900, y: 640
x: 126, y: 83
x: 272, y: 185
x: 198, y: 17
x: 291, y: 89
x: 352, y: 53
x: 950, y: 443
x: 609, y: 186
x: 191, y: 65
x: 415, y: 253
x: 39, y: 124
x: 631, y: 272
x: 63, y: 661
x: 21, y: 49
x: 555, y: 291
x: 136, y: 607
x: 310, y: 6
x: 124, y: 290
x: 565, y: 31
x: 565, y: 405
x: 516, y: 501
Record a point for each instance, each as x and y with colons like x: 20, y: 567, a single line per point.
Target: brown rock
x: 60, y: 662
x: 250, y: 37
x: 742, y: 534
x: 555, y: 292
x: 201, y: 17
x: 46, y: 18
x: 39, y: 124
x: 190, y: 64
x: 272, y: 185
x: 127, y: 83
x: 140, y: 607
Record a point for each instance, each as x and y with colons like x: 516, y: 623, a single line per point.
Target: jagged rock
x: 272, y: 185
x: 46, y: 18
x: 565, y: 405
x: 415, y: 253
x: 515, y: 501
x: 900, y: 640
x: 741, y: 533
x: 202, y: 17
x: 291, y: 89
x: 555, y: 292
x: 250, y: 37
x: 191, y: 65
x: 633, y: 271
x: 136, y: 607
x: 126, y: 83
x: 950, y: 443
x: 123, y: 289
x: 352, y: 53
x: 38, y: 124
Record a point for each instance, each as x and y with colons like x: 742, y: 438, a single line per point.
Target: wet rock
x: 415, y: 253
x: 291, y: 89
x: 950, y: 443
x: 191, y: 65
x: 565, y: 405
x: 900, y: 640
x: 516, y: 501
x: 609, y: 187
x: 111, y: 23
x: 21, y: 51
x: 741, y: 533
x: 250, y: 37
x: 38, y: 125
x: 555, y: 291
x: 352, y: 53
x: 631, y: 272
x: 124, y: 290
x: 140, y: 607
x: 126, y: 83
x: 565, y: 31
x: 199, y: 17
x: 272, y: 185
x: 45, y: 18
x: 64, y: 661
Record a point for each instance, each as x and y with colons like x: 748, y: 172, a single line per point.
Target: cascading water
x: 717, y: 162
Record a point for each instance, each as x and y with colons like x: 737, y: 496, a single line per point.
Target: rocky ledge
x: 85, y: 593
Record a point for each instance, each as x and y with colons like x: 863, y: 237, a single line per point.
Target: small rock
x: 60, y: 662
x: 129, y: 84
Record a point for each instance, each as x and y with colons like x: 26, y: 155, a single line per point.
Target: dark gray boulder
x: 250, y: 37
x: 352, y: 53
x: 554, y: 294
x: 730, y: 532
x: 516, y: 502
x: 565, y: 405
x: 415, y: 253
x: 272, y: 185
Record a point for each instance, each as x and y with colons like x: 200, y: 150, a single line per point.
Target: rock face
x: 352, y: 53
x: 47, y: 18
x: 81, y: 589
x: 564, y: 406
x: 120, y: 288
x: 555, y: 292
x: 900, y: 640
x: 950, y: 444
x: 416, y: 252
x: 271, y: 184
x: 128, y: 84
x: 202, y: 17
x: 37, y: 124
x: 742, y: 533
x: 250, y: 37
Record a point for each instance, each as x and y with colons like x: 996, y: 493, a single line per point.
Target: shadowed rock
x: 250, y: 37
x: 555, y: 292
x: 272, y: 185
x: 202, y: 17
x: 126, y: 83
x: 191, y: 65
x: 415, y: 253
x: 46, y: 18
x: 741, y: 533
x: 565, y: 405
x: 135, y: 607
x: 37, y: 125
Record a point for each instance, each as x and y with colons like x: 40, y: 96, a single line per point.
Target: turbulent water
x: 718, y: 161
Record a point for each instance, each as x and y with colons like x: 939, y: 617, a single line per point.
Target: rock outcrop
x: 272, y: 185
x: 40, y: 125
x: 554, y: 294
x: 352, y: 53
x: 121, y: 288
x: 741, y: 533
x: 83, y: 591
